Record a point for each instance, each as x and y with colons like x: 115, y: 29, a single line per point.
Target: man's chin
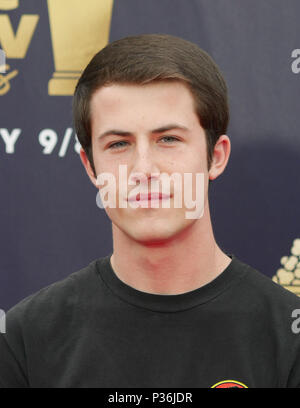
x: 153, y: 241
x: 153, y: 230
x: 159, y: 235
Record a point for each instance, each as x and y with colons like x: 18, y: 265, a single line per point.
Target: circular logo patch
x: 229, y: 384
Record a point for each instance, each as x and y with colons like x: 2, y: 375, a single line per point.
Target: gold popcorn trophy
x: 79, y: 29
x: 288, y: 275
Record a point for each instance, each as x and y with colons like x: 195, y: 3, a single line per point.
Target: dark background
x: 50, y: 225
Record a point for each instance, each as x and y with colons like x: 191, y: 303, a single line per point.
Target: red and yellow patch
x: 229, y: 384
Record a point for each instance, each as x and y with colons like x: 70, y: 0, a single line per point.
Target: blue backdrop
x: 50, y: 223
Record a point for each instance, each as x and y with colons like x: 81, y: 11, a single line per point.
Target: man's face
x: 139, y: 110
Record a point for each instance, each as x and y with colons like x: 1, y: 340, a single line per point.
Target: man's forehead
x: 119, y: 109
x: 152, y: 105
x: 115, y: 92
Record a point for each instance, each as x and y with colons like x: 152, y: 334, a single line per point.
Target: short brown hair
x: 145, y: 58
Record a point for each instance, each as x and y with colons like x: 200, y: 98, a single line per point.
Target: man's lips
x: 149, y: 196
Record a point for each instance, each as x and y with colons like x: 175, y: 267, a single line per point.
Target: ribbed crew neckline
x: 169, y: 303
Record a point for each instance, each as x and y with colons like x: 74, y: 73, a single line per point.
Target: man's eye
x: 170, y: 137
x: 115, y: 145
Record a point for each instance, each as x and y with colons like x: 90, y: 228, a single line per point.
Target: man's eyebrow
x: 161, y: 129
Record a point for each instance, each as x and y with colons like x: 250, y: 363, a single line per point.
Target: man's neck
x: 180, y: 265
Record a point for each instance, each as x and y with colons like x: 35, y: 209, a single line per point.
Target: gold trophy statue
x: 9, y: 4
x: 79, y: 29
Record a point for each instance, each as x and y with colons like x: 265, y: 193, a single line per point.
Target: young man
x: 168, y: 307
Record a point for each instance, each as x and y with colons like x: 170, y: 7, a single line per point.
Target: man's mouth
x: 149, y: 196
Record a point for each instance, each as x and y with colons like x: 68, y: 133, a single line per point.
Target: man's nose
x: 144, y: 166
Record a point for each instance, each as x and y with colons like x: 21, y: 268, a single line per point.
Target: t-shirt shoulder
x: 59, y: 296
x: 263, y: 286
x: 41, y: 321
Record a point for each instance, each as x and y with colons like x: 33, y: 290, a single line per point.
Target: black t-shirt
x: 93, y: 330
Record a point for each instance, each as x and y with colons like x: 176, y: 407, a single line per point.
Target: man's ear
x: 88, y: 168
x: 220, y: 157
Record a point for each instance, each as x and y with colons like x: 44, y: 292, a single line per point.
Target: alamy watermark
x: 2, y: 321
x: 2, y: 62
x: 295, y: 65
x: 141, y: 197
x: 296, y: 323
